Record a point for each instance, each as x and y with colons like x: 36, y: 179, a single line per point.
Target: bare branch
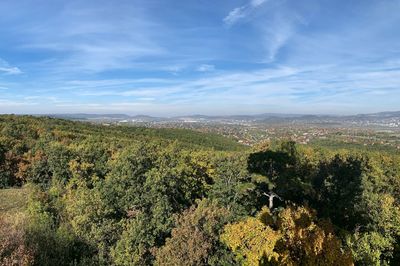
x: 271, y: 195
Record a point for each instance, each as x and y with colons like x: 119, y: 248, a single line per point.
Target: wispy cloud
x: 168, y: 58
x: 82, y: 38
x: 287, y: 86
x: 236, y: 14
x: 307, y: 89
x: 277, y: 34
x: 275, y: 23
x: 206, y: 68
x: 242, y: 12
x: 256, y: 3
x: 5, y: 103
x: 5, y: 68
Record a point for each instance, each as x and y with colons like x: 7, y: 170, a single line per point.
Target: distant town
x: 371, y: 130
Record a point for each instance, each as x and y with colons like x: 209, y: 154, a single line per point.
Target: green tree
x: 233, y: 186
x: 195, y: 239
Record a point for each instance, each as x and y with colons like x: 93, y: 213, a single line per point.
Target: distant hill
x: 127, y: 133
x: 83, y: 116
x: 266, y: 117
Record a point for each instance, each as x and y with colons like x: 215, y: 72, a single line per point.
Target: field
x: 13, y: 200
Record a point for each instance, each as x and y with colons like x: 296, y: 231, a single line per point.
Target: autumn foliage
x: 122, y: 195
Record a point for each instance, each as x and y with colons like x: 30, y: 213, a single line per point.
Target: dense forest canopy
x: 136, y: 196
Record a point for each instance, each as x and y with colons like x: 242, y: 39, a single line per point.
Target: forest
x: 120, y: 195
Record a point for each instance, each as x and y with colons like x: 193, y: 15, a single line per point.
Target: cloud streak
x: 206, y: 68
x: 239, y: 13
x: 6, y: 69
x: 93, y: 40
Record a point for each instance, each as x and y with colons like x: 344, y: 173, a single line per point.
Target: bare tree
x: 271, y: 195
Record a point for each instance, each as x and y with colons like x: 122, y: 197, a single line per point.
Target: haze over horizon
x: 165, y: 58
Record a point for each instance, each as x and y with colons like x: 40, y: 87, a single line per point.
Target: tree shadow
x: 274, y: 165
x: 338, y: 190
x: 333, y: 186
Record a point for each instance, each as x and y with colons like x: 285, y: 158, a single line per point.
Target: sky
x: 179, y: 57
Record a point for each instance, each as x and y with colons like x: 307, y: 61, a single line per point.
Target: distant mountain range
x: 266, y: 117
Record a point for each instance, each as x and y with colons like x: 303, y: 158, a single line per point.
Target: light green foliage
x: 134, y: 245
x: 370, y: 248
x: 145, y: 187
x: 52, y: 244
x: 233, y: 186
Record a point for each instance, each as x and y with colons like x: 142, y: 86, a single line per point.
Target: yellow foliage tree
x: 293, y: 236
x: 251, y: 240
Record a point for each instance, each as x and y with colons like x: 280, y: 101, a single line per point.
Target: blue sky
x: 174, y: 57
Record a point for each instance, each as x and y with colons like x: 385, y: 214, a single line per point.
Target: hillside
x: 30, y: 126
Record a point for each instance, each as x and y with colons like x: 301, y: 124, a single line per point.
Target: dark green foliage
x: 2, y: 155
x: 358, y: 193
x: 188, y: 137
x: 59, y: 157
x: 3, y: 175
x: 338, y: 187
x: 288, y: 173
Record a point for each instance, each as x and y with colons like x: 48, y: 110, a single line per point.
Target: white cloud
x: 276, y: 25
x: 146, y: 99
x: 93, y: 40
x: 11, y: 103
x: 10, y: 70
x: 174, y: 69
x: 256, y: 3
x: 242, y: 12
x: 115, y: 82
x: 5, y: 68
x: 206, y: 68
x: 277, y: 34
x: 292, y: 88
x: 147, y: 92
x: 323, y: 89
x: 236, y: 14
